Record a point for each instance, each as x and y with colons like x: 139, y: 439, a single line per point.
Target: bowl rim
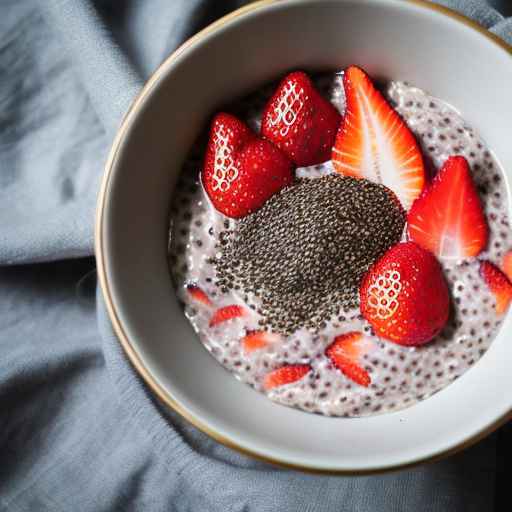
x: 99, y: 249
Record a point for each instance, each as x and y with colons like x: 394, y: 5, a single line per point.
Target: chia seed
x: 305, y: 251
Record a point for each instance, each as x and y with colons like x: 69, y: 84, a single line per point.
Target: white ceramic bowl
x: 429, y: 46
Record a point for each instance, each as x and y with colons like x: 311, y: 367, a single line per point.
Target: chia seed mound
x: 303, y: 254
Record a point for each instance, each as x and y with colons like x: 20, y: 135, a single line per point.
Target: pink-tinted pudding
x: 289, y: 296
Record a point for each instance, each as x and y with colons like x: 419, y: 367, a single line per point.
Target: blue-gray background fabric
x: 78, y: 430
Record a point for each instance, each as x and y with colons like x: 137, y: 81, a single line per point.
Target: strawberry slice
x: 226, y: 313
x: 199, y: 295
x: 351, y: 370
x: 404, y: 295
x: 447, y: 219
x: 285, y: 375
x: 241, y: 171
x: 256, y: 340
x: 344, y: 352
x: 373, y: 141
x: 507, y: 264
x: 499, y: 285
x: 300, y: 122
x: 350, y: 344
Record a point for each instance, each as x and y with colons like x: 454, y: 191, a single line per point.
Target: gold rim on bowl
x: 118, y: 327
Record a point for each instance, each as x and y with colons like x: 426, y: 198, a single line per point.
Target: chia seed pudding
x: 294, y: 267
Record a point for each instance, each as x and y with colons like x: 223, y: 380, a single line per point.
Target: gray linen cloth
x: 78, y: 430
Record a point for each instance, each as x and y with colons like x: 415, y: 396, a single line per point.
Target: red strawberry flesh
x: 256, y: 340
x: 344, y: 352
x: 499, y: 285
x: 507, y: 264
x: 198, y: 294
x: 448, y: 219
x: 300, y: 122
x: 226, y: 313
x: 285, y: 375
x: 373, y: 141
x: 349, y: 344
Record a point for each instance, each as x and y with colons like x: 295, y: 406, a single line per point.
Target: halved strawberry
x: 447, y: 219
x: 373, y: 141
x: 404, y: 295
x: 300, y: 122
x: 255, y: 340
x: 241, y: 171
x: 285, y: 375
x: 499, y: 285
x: 199, y: 295
x: 506, y: 264
x: 226, y: 313
x: 344, y: 352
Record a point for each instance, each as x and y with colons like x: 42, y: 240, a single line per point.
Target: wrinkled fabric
x: 78, y: 430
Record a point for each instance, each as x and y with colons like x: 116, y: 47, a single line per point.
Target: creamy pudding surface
x: 292, y: 269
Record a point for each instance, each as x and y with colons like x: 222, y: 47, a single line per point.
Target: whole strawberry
x: 241, y: 171
x: 404, y: 295
x: 300, y: 122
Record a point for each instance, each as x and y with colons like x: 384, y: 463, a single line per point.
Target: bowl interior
x: 390, y: 39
